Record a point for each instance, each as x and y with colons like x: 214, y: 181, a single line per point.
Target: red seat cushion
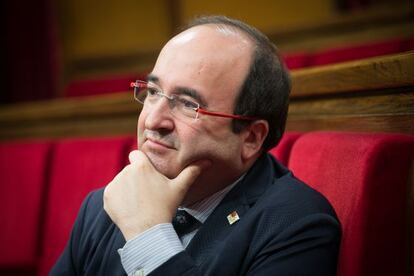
x: 365, y: 177
x: 282, y: 151
x: 410, y: 45
x: 23, y: 171
x: 79, y: 166
x: 296, y: 60
x: 356, y: 52
x: 104, y: 85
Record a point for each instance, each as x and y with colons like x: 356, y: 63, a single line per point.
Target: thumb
x: 133, y: 156
x: 187, y: 176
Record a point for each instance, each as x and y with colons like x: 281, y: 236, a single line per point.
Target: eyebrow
x: 153, y: 78
x: 181, y: 90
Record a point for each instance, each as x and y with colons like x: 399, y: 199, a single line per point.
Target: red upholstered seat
x: 356, y: 52
x: 365, y: 177
x: 79, y: 166
x: 109, y: 84
x: 296, y: 60
x: 282, y: 150
x: 23, y: 171
x: 410, y: 45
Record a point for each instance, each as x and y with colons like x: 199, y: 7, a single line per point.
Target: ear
x: 253, y: 138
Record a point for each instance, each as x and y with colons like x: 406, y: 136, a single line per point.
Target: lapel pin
x: 233, y: 217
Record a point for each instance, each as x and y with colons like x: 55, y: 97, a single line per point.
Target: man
x: 213, y: 105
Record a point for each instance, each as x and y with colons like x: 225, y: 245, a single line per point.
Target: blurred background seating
x: 68, y: 119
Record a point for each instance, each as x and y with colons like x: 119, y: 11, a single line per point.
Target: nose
x: 158, y: 116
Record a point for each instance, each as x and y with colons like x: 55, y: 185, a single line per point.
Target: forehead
x: 211, y: 60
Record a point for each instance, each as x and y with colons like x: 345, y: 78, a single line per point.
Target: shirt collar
x: 202, y: 209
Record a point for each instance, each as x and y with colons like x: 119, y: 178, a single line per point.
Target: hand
x: 140, y: 197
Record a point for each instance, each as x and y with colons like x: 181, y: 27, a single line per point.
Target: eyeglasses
x: 181, y: 105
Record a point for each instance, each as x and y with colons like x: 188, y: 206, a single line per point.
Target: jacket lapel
x: 239, y: 199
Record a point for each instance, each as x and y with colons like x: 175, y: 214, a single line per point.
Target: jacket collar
x: 260, y: 176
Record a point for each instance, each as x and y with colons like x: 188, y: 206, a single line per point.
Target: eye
x: 151, y: 91
x: 188, y: 104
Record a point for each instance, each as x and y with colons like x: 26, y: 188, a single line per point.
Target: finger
x: 133, y: 156
x: 190, y: 174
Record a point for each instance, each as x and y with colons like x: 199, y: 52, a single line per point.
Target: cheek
x: 218, y: 144
x: 140, y: 128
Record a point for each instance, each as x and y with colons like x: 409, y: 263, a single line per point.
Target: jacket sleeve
x: 308, y: 247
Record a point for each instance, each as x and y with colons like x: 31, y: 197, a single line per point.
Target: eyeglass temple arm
x: 218, y: 114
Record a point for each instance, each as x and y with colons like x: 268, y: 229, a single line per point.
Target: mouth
x: 157, y: 144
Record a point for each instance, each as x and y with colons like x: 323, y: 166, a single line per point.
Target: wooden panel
x: 383, y: 22
x: 128, y: 53
x: 375, y: 103
x: 105, y: 28
x: 319, y: 40
x: 266, y: 15
x: 86, y: 116
x: 373, y: 95
x: 383, y: 123
x: 69, y: 108
x: 369, y: 74
x: 368, y: 95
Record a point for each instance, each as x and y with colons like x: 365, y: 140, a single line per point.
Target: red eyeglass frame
x: 216, y: 114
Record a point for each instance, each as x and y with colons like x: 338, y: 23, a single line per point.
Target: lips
x: 158, y: 143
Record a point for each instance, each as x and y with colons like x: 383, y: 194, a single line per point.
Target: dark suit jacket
x: 285, y: 228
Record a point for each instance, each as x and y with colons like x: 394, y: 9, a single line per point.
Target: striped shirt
x: 156, y: 245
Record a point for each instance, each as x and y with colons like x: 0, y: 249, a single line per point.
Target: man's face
x: 212, y: 63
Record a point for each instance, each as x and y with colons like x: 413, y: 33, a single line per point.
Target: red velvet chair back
x: 357, y: 52
x: 79, y: 166
x: 297, y: 60
x: 365, y: 177
x: 282, y: 151
x: 23, y: 174
x: 410, y: 45
x: 105, y: 85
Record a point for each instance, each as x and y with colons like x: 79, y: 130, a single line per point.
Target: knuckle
x: 106, y: 194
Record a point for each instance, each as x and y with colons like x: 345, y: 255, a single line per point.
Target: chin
x: 163, y: 165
